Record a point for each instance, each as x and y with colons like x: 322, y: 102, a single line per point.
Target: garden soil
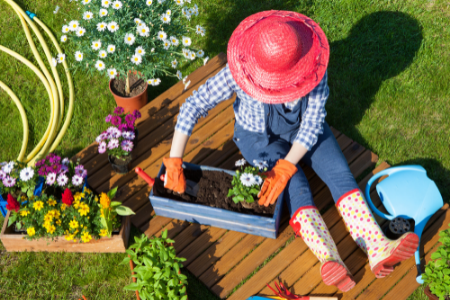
x: 137, y: 86
x: 212, y: 191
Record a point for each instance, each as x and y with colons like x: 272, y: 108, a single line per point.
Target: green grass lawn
x: 388, y: 74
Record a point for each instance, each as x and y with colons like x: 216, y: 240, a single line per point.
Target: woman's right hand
x: 174, y: 179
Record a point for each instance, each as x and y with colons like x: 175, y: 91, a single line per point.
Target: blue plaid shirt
x: 250, y: 112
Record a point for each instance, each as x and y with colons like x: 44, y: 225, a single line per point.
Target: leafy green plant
x: 437, y: 271
x: 247, y: 183
x: 157, y: 270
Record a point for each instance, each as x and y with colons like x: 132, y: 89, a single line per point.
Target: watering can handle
x: 388, y: 171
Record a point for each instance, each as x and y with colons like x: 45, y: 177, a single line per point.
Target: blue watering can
x: 409, y: 194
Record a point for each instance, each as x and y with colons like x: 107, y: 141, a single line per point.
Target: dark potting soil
x: 212, y: 191
x: 121, y: 161
x: 137, y: 86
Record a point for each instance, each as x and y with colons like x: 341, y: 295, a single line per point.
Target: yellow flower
x: 23, y: 198
x: 78, y: 196
x: 63, y: 207
x: 56, y: 214
x: 48, y: 217
x: 96, y: 199
x: 51, y: 229
x: 69, y: 237
x: 87, y: 191
x: 58, y: 222
x: 104, y: 200
x: 38, y: 205
x: 84, y: 209
x: 24, y: 213
x: 86, y: 237
x: 76, y: 204
x: 73, y: 224
x: 31, y: 231
x: 51, y: 202
x: 103, y: 232
x: 47, y: 224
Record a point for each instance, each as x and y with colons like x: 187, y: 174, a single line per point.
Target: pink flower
x: 108, y: 118
x: 130, y: 119
x: 127, y: 145
x: 119, y: 110
x: 116, y: 120
x: 102, y: 147
x: 9, y: 181
x: 113, y: 144
x: 51, y: 177
x: 136, y: 114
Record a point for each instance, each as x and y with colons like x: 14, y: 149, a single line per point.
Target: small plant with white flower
x: 16, y: 178
x: 247, y: 182
x: 149, y: 37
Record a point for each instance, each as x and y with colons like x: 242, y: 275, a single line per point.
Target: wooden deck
x: 222, y: 259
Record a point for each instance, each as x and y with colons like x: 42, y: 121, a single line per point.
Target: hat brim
x: 288, y: 85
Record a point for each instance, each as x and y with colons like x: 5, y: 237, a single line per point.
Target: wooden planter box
x: 217, y: 217
x: 14, y: 241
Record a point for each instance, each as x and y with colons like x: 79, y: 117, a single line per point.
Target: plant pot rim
x: 127, y: 98
x: 429, y: 294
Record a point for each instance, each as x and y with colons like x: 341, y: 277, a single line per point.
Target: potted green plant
x: 437, y: 271
x: 134, y: 42
x: 156, y: 269
x: 119, y: 139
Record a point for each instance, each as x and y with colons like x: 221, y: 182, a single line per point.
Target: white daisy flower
x: 102, y: 26
x: 186, y: 13
x: 64, y: 38
x: 102, y: 54
x: 191, y: 11
x: 199, y: 29
x: 179, y: 2
x: 174, y: 41
x: 61, y: 57
x: 187, y: 84
x: 152, y: 50
x: 186, y: 52
x: 81, y: 31
x: 200, y: 53
x: 62, y: 179
x: 129, y: 39
x: 162, y: 35
x: 150, y: 81
x: 113, y: 26
x: 156, y: 82
x: 54, y: 62
x: 247, y: 179
x: 51, y: 177
x: 165, y: 18
x: 88, y: 15
x: 192, y: 55
x: 103, y: 12
x: 186, y: 41
x: 77, y: 180
x: 112, y: 73
x: 168, y: 12
x: 140, y: 50
x: 65, y: 29
x: 240, y: 162
x: 195, y: 10
x: 26, y: 174
x: 96, y: 45
x: 100, y: 65
x: 78, y: 56
x: 205, y: 60
x: 161, y: 1
x: 202, y: 33
x: 106, y: 3
x: 258, y: 180
x: 85, y: 2
x: 260, y: 164
x: 174, y: 64
x: 187, y: 1
x: 166, y: 44
x: 138, y: 21
x: 117, y: 4
x: 136, y: 59
x: 179, y: 75
x: 8, y: 167
x: 73, y: 25
x: 111, y: 48
x: 65, y: 161
x: 149, y: 2
x: 143, y: 30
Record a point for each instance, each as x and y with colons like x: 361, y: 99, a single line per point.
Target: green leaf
x: 250, y: 199
x: 230, y: 193
x: 164, y: 234
x: 112, y: 193
x: 12, y: 219
x: 184, y: 297
x: 435, y: 255
x: 115, y: 203
x: 254, y: 191
x: 132, y: 286
x: 19, y: 225
x: 124, y: 211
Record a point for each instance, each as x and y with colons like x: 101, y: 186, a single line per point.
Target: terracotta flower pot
x: 430, y: 295
x: 130, y: 103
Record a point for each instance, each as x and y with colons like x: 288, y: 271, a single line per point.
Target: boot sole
x: 404, y: 250
x: 333, y: 273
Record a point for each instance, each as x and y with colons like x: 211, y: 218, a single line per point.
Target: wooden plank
x: 142, y: 215
x: 192, y: 232
x: 217, y: 62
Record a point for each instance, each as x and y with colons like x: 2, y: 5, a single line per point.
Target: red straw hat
x: 278, y: 56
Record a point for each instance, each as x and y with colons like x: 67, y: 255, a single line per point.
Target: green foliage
x: 157, y: 270
x: 437, y: 271
x: 247, y: 183
x: 109, y: 211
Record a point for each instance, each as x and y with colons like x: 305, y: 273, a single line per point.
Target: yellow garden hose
x: 23, y: 116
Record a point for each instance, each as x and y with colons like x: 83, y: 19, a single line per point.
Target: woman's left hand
x: 276, y: 181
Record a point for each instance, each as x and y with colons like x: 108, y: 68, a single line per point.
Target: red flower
x: 67, y: 197
x: 12, y: 203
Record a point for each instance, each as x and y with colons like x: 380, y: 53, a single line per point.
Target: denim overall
x: 325, y: 158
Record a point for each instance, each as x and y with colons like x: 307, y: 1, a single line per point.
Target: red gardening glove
x: 276, y: 181
x: 174, y: 179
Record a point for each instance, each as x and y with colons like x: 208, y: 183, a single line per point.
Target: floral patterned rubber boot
x: 308, y: 223
x: 382, y: 252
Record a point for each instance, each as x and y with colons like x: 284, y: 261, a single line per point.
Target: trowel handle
x: 148, y: 179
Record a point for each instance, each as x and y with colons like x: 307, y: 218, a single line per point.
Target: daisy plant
x: 247, y: 182
x: 118, y: 139
x: 152, y: 37
x: 17, y: 178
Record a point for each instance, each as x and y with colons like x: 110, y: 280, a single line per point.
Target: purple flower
x: 104, y: 135
x: 130, y: 119
x: 55, y: 159
x: 55, y: 168
x: 114, y: 143
x: 9, y: 181
x: 51, y: 177
x: 99, y: 138
x: 64, y: 169
x: 116, y: 120
x: 40, y: 163
x: 79, y: 170
x: 77, y: 180
x: 127, y: 145
x: 108, y: 118
x: 119, y: 110
x: 66, y: 161
x: 84, y: 174
x: 102, y: 147
x: 116, y: 134
x: 2, y: 174
x: 136, y: 114
x: 62, y: 180
x: 111, y: 129
x: 42, y: 171
x: 129, y: 135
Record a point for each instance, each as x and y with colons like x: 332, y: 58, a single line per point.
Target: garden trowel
x: 191, y: 186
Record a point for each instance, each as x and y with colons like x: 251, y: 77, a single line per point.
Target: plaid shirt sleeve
x: 314, y: 116
x: 215, y: 90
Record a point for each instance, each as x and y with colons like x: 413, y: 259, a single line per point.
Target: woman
x: 277, y: 62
